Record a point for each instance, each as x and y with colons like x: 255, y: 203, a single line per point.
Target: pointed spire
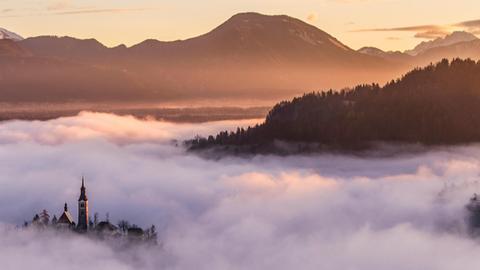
x: 83, y: 196
x: 65, y: 207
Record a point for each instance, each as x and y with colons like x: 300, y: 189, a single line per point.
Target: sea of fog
x: 322, y: 211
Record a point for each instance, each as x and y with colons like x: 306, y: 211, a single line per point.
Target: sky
x: 321, y: 211
x: 115, y: 22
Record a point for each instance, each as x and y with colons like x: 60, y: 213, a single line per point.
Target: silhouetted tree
x: 123, y: 225
x: 44, y: 217
x: 95, y: 219
x: 151, y: 235
x: 54, y: 220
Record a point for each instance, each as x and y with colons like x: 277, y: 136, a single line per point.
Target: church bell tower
x: 82, y: 224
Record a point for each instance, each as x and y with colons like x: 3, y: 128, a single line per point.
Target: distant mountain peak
x: 371, y: 51
x: 460, y: 35
x: 254, y: 19
x: 275, y: 30
x: 450, y: 39
x: 5, y: 34
x: 256, y: 15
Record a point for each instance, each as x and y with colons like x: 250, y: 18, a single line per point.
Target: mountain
x: 433, y: 105
x: 272, y: 38
x: 451, y: 39
x: 395, y: 56
x: 5, y: 34
x: 456, y: 45
x: 464, y: 50
x: 11, y: 48
x: 36, y: 74
x: 79, y: 50
x: 251, y: 56
x: 372, y: 51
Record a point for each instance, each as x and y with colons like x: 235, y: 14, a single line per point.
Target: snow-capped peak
x: 5, y: 34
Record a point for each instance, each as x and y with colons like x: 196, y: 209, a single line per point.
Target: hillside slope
x: 434, y: 105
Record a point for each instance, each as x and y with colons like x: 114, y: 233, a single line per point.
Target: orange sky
x: 126, y: 21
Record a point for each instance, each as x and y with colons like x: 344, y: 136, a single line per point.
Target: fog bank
x: 319, y: 211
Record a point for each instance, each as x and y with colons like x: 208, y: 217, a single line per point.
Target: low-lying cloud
x: 265, y: 212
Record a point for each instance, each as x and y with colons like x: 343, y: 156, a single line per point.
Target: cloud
x: 416, y: 28
x: 432, y: 34
x: 393, y: 38
x: 359, y: 1
x: 351, y: 1
x: 120, y: 130
x: 60, y: 5
x: 431, y: 31
x: 68, y: 7
x: 472, y: 26
x: 319, y: 211
x: 312, y: 17
x: 106, y: 10
x: 473, y: 23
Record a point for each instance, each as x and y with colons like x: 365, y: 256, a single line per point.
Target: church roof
x: 65, y: 218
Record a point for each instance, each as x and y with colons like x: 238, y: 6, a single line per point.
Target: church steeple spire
x: 65, y: 208
x: 82, y: 224
x: 83, y: 196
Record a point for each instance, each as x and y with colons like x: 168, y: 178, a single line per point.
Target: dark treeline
x: 438, y: 104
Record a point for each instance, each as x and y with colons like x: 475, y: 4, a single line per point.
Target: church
x: 101, y: 229
x: 66, y: 220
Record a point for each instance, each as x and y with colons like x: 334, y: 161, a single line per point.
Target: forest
x: 435, y: 105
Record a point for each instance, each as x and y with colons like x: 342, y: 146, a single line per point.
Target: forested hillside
x: 438, y: 104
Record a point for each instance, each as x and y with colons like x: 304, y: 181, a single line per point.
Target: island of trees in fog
x: 435, y: 105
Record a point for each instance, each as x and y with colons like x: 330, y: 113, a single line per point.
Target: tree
x: 36, y: 218
x: 54, y: 220
x: 44, y: 217
x: 90, y: 223
x: 95, y: 219
x: 124, y: 225
x: 151, y: 235
x: 432, y: 105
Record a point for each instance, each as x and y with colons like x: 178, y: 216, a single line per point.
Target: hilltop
x: 435, y: 105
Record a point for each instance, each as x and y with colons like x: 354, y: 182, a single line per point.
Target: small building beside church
x: 65, y: 221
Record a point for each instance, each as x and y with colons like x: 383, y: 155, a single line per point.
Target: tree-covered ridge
x: 438, y: 104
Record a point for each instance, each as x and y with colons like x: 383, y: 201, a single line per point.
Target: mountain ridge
x: 450, y: 39
x: 250, y: 55
x: 6, y: 34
